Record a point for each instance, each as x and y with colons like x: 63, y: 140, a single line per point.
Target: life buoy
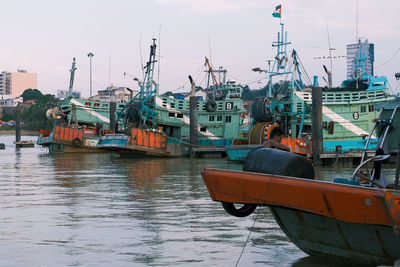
x: 357, y: 74
x: 243, y: 211
x: 211, y: 106
x: 269, y: 129
x: 77, y: 142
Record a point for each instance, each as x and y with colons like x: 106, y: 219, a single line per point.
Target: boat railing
x: 346, y: 97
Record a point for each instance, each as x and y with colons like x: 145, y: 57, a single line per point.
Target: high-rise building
x: 355, y: 52
x: 64, y: 94
x: 15, y: 83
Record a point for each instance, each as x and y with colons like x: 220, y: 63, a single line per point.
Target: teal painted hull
x: 368, y: 244
x: 240, y: 152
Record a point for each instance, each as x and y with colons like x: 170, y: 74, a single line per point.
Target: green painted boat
x: 78, y: 124
x: 219, y: 115
x: 348, y: 110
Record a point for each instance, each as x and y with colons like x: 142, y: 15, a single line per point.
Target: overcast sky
x: 43, y: 36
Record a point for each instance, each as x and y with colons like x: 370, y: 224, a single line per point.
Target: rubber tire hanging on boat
x: 77, y: 142
x: 357, y: 74
x: 278, y: 162
x: 211, y: 106
x: 243, y: 211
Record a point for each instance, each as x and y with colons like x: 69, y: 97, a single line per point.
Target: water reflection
x: 103, y: 210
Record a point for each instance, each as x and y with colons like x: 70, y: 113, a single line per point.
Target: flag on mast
x: 278, y: 12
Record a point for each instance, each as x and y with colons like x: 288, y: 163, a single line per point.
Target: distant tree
x: 35, y: 116
x: 168, y: 93
x: 252, y: 94
x: 8, y: 116
x: 31, y: 94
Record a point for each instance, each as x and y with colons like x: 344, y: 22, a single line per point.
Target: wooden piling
x: 113, y: 109
x: 316, y: 129
x: 193, y: 117
x: 18, y: 123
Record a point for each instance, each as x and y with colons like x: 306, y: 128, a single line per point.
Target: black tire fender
x: 243, y: 211
x: 211, y: 106
x: 77, y: 142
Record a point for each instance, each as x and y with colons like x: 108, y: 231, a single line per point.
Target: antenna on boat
x: 357, y: 21
x: 109, y: 67
x: 141, y: 56
x: 209, y: 62
x: 329, y: 73
x: 209, y: 49
x: 159, y: 54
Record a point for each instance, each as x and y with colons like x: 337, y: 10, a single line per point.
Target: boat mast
x: 281, y: 60
x: 71, y: 79
x: 211, y: 72
x: 148, y: 82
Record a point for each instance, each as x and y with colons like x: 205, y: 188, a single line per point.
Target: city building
x: 15, y: 83
x: 63, y: 94
x: 115, y: 94
x: 9, y: 101
x: 353, y: 55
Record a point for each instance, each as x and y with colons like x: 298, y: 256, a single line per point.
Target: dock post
x: 193, y: 117
x: 113, y: 108
x: 317, y: 147
x: 18, y: 123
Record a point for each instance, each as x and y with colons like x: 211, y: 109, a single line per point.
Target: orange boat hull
x: 352, y: 222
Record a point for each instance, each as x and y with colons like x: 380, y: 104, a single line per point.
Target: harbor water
x: 103, y: 210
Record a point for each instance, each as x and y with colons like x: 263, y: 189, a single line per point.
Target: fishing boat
x: 78, y: 124
x: 240, y: 147
x: 348, y: 110
x: 353, y: 219
x: 159, y: 125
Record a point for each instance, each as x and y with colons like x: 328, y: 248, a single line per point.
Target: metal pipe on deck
x: 316, y: 128
x: 193, y: 116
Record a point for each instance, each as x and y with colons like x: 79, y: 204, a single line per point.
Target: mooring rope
x: 248, y: 236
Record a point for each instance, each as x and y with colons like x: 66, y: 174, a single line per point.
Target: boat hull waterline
x: 321, y: 218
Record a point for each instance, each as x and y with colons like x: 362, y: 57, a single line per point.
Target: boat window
x: 171, y: 114
x: 87, y: 103
x: 105, y: 105
x: 378, y: 84
x: 331, y: 127
x: 219, y: 118
x: 211, y: 118
x: 96, y: 104
x: 371, y: 108
x: 179, y: 115
x: 363, y: 109
x: 203, y: 129
x: 228, y: 119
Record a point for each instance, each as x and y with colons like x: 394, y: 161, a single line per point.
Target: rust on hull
x: 347, y: 221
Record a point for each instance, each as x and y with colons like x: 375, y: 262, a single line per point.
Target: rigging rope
x: 303, y: 70
x: 390, y: 88
x: 387, y: 61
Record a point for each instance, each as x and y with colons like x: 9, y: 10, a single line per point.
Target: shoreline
x: 23, y: 132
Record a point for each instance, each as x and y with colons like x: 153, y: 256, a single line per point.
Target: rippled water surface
x: 103, y: 210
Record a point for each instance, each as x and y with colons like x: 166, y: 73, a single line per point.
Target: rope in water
x: 248, y: 236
